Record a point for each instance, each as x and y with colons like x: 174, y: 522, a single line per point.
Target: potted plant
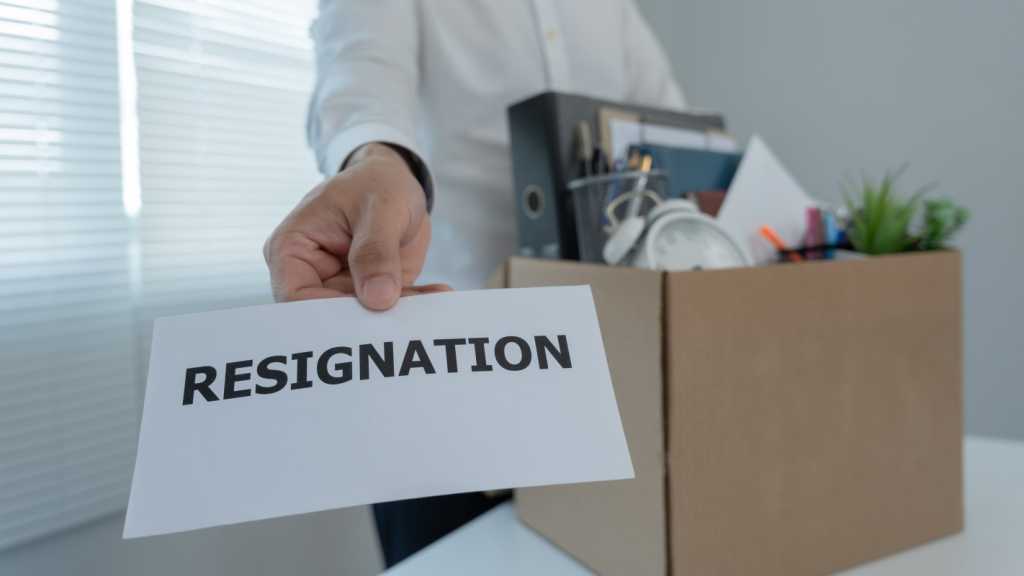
x: 883, y: 222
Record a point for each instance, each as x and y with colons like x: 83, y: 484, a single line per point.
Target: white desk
x: 992, y: 543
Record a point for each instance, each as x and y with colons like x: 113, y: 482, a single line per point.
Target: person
x: 408, y: 121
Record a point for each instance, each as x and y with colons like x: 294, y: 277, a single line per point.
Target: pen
x: 772, y: 236
x: 831, y: 233
x: 598, y: 162
x: 584, y: 149
x: 641, y: 185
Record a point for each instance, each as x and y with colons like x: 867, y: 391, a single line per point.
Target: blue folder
x: 691, y: 170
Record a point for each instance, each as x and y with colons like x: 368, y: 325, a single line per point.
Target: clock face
x: 688, y: 242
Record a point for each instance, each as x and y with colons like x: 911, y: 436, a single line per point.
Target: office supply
x: 500, y: 544
x: 621, y: 128
x: 541, y: 131
x: 692, y: 171
x: 283, y: 409
x: 626, y: 233
x: 601, y: 200
x: 831, y: 232
x: 599, y: 162
x: 673, y: 235
x: 623, y: 240
x: 709, y: 201
x: 640, y: 187
x: 813, y: 235
x: 764, y: 193
x: 769, y: 234
x: 584, y: 151
x: 839, y: 252
x: 678, y: 237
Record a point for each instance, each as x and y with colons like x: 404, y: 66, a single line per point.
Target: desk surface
x: 992, y: 543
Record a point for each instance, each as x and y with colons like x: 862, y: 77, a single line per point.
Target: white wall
x: 338, y: 542
x: 842, y: 87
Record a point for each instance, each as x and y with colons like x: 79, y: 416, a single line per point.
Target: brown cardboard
x: 629, y: 310
x: 794, y: 419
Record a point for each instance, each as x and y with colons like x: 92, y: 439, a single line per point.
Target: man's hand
x: 363, y: 232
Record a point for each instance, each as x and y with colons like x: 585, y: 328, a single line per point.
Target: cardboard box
x: 793, y: 419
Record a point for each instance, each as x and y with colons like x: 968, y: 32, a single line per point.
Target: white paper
x: 626, y: 133
x: 764, y: 193
x: 228, y: 460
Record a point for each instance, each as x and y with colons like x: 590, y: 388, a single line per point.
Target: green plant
x: 881, y: 222
x: 942, y: 219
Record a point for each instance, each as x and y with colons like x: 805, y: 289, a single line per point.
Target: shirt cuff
x: 343, y: 144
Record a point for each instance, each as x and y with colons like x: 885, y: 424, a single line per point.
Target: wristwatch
x: 419, y: 170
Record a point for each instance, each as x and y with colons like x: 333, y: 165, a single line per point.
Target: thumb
x: 375, y: 254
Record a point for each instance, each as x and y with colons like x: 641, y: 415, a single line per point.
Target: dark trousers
x: 407, y: 526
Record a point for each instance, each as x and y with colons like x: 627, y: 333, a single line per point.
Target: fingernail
x: 379, y: 292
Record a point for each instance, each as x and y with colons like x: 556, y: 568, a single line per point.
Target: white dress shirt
x: 436, y: 77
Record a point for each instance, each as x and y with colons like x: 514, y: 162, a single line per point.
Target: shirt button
x: 551, y: 34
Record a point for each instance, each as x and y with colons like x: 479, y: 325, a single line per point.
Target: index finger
x: 297, y: 280
x: 298, y: 267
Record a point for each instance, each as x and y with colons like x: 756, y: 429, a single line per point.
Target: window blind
x: 67, y: 321
x: 127, y: 194
x: 223, y: 89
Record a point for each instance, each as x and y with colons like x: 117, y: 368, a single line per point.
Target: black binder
x: 541, y: 130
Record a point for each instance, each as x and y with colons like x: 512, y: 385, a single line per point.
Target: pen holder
x: 820, y: 252
x: 594, y: 197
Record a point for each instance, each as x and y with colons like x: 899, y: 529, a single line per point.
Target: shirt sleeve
x: 367, y: 78
x: 650, y: 76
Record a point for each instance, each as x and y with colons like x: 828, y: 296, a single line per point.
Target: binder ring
x: 533, y: 201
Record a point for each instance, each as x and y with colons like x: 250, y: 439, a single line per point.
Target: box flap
x: 613, y: 527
